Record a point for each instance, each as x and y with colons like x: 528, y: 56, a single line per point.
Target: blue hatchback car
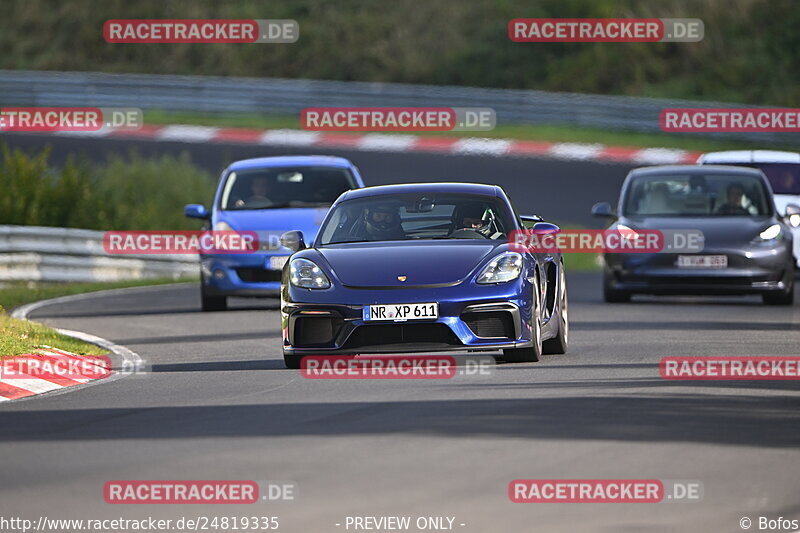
x: 422, y: 267
x: 269, y: 196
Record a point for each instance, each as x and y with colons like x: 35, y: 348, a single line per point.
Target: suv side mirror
x: 293, y: 240
x: 793, y: 215
x: 603, y: 209
x: 196, y: 211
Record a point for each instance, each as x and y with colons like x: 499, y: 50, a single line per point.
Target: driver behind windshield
x: 733, y: 204
x: 260, y: 188
x: 383, y: 223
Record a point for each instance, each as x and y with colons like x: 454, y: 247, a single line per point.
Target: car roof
x: 694, y: 169
x: 749, y: 156
x: 290, y: 160
x: 441, y: 187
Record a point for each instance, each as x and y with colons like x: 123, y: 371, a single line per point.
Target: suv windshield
x: 274, y: 187
x: 417, y: 216
x: 697, y: 195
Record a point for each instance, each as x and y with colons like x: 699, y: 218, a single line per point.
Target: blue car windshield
x: 400, y: 217
x: 784, y: 177
x: 276, y: 187
x: 697, y: 195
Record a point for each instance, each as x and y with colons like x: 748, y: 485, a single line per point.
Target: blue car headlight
x: 771, y: 235
x: 306, y: 274
x: 505, y: 267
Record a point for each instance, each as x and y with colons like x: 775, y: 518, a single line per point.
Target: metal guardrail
x: 36, y: 253
x: 210, y: 94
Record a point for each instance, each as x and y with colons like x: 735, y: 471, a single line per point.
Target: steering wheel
x: 466, y: 233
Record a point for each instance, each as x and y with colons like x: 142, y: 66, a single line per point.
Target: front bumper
x: 752, y: 271
x: 240, y: 275
x: 325, y: 326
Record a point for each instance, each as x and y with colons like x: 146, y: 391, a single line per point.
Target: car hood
x: 422, y: 263
x: 716, y: 230
x: 271, y: 223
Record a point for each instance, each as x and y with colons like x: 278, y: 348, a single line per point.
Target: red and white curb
x: 77, y: 370
x: 384, y: 142
x: 126, y: 361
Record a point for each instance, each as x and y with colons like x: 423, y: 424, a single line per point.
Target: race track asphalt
x: 217, y: 403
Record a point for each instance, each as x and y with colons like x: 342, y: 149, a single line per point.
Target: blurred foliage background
x: 128, y: 193
x: 750, y: 54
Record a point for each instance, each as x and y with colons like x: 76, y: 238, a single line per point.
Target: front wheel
x: 781, y: 298
x: 559, y: 344
x: 532, y: 354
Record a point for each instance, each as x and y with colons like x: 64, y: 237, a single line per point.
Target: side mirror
x: 293, y: 240
x: 603, y: 209
x: 545, y: 228
x: 792, y: 215
x: 196, y: 211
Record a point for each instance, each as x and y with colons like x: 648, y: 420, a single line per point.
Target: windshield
x: 415, y: 216
x: 784, y: 177
x: 697, y: 195
x: 269, y: 188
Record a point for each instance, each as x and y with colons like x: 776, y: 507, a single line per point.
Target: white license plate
x: 401, y: 312
x: 703, y: 261
x: 276, y: 262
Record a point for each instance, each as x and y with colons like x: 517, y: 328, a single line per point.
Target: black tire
x: 532, y: 354
x: 292, y: 361
x: 780, y: 298
x: 614, y: 296
x: 213, y: 303
x: 560, y: 343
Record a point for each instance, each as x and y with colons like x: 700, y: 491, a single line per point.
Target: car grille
x: 490, y: 324
x: 257, y: 274
x: 388, y: 334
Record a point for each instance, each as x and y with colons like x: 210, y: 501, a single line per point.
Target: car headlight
x: 222, y: 226
x: 307, y: 274
x: 794, y: 221
x: 504, y: 267
x: 771, y: 234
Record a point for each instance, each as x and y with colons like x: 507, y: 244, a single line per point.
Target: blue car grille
x: 493, y: 324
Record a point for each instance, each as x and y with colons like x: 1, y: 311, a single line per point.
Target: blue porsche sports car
x: 269, y: 196
x: 420, y: 268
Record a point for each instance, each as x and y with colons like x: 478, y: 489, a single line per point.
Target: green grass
x: 581, y: 262
x: 19, y: 337
x: 524, y: 132
x: 19, y: 293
